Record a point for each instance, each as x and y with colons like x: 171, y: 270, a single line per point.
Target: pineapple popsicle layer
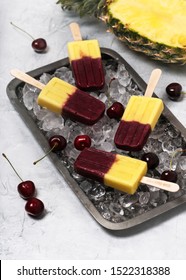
x: 139, y: 118
x: 117, y: 171
x: 85, y: 60
x: 63, y: 98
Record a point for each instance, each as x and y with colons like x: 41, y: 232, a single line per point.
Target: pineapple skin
x: 131, y: 38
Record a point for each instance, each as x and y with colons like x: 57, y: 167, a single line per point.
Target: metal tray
x: 13, y: 92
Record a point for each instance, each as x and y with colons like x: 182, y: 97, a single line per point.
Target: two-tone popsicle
x: 139, y: 118
x: 63, y: 98
x: 85, y: 60
x: 117, y: 171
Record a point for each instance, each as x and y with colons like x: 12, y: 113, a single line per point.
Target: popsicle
x: 85, y: 60
x: 62, y: 98
x: 139, y: 118
x: 117, y: 171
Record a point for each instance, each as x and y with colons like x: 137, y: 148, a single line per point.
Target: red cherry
x: 26, y: 189
x: 34, y: 207
x: 115, y: 111
x: 81, y: 142
x: 39, y: 45
x: 57, y: 143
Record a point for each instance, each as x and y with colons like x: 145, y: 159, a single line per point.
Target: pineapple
x: 156, y: 28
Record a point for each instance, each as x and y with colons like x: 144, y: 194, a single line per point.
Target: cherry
x: 39, y: 45
x: 81, y: 142
x: 57, y: 143
x: 26, y: 189
x: 169, y: 175
x: 115, y: 111
x: 34, y: 207
x: 151, y: 159
x: 174, y: 91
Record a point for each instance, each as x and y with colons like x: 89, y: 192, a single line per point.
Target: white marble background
x: 68, y: 231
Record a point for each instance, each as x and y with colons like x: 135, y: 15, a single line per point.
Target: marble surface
x: 68, y: 231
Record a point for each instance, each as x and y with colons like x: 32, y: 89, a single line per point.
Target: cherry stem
x: 111, y: 80
x: 12, y: 166
x: 35, y: 162
x: 174, y: 154
x: 22, y: 30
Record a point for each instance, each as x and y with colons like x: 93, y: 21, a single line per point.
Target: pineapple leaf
x: 82, y: 7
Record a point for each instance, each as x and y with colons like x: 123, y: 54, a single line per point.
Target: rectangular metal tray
x: 13, y: 92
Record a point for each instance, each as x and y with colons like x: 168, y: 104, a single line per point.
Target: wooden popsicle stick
x: 161, y: 184
x: 153, y: 80
x: 74, y: 27
x: 26, y: 78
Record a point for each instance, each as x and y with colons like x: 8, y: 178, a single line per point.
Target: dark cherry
x: 57, y: 143
x: 34, y: 207
x: 115, y: 111
x: 81, y: 142
x: 26, y: 189
x: 174, y: 91
x: 169, y: 175
x: 151, y: 159
x: 39, y: 45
